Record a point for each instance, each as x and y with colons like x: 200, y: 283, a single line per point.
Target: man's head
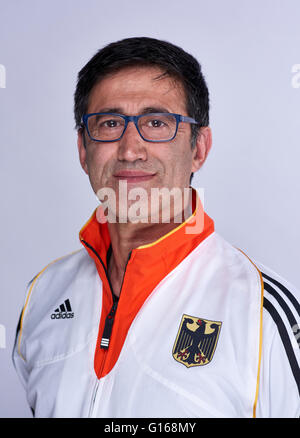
x: 133, y: 77
x: 143, y: 51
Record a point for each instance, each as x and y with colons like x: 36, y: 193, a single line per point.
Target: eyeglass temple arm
x: 188, y: 120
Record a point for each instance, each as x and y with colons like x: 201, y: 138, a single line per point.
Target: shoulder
x: 58, y: 274
x: 236, y: 262
x: 67, y: 261
x: 61, y: 269
x: 282, y: 305
x: 277, y: 292
x: 51, y: 286
x: 280, y: 359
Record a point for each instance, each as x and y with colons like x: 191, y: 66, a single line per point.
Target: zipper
x: 109, y: 321
x: 95, y: 390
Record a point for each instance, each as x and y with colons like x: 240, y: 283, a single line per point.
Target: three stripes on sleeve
x: 284, y: 309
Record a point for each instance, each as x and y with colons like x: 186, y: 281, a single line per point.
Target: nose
x: 131, y: 146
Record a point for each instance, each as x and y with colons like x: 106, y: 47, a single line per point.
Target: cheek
x: 179, y: 162
x: 97, y: 163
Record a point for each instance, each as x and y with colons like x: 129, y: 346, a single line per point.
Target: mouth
x: 133, y: 176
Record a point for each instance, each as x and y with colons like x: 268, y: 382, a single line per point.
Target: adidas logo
x: 63, y: 311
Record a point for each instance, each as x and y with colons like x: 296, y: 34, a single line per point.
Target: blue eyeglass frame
x: 179, y: 118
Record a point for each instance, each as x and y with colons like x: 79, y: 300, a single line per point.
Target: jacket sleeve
x: 279, y: 382
x: 18, y: 355
x: 18, y: 361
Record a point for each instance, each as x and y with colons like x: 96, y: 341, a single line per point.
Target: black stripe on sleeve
x: 285, y: 340
x: 283, y: 305
x: 290, y: 296
x: 16, y: 338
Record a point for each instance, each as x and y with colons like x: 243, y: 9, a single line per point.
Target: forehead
x: 134, y: 88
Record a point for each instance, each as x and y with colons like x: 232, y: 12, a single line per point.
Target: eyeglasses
x: 153, y: 127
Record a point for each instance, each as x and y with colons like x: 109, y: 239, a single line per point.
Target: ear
x: 82, y: 150
x: 201, y: 148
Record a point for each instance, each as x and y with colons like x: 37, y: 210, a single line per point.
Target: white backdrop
x: 249, y: 51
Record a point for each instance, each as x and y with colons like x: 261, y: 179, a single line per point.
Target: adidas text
x: 62, y: 315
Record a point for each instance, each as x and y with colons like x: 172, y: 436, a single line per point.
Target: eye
x: 110, y: 123
x: 155, y: 123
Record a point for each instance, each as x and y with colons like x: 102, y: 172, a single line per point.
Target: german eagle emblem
x: 196, y: 341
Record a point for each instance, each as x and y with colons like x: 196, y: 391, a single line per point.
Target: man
x: 154, y: 318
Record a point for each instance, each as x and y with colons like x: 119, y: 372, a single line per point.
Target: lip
x: 134, y: 175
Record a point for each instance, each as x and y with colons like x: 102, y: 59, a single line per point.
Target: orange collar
x: 177, y: 243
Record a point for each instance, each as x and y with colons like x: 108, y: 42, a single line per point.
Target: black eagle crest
x: 196, y: 347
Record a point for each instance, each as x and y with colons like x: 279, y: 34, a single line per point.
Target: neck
x: 127, y: 236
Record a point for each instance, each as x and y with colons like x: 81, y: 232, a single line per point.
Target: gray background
x: 247, y: 50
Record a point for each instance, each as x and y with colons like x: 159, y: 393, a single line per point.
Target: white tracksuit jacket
x: 199, y: 330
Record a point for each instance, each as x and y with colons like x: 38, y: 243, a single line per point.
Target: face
x: 134, y: 91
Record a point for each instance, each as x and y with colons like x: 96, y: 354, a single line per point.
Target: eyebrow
x: 146, y: 110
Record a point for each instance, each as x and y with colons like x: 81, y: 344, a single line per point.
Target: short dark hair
x: 144, y: 51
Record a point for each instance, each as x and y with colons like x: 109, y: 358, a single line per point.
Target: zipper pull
x: 108, y: 326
